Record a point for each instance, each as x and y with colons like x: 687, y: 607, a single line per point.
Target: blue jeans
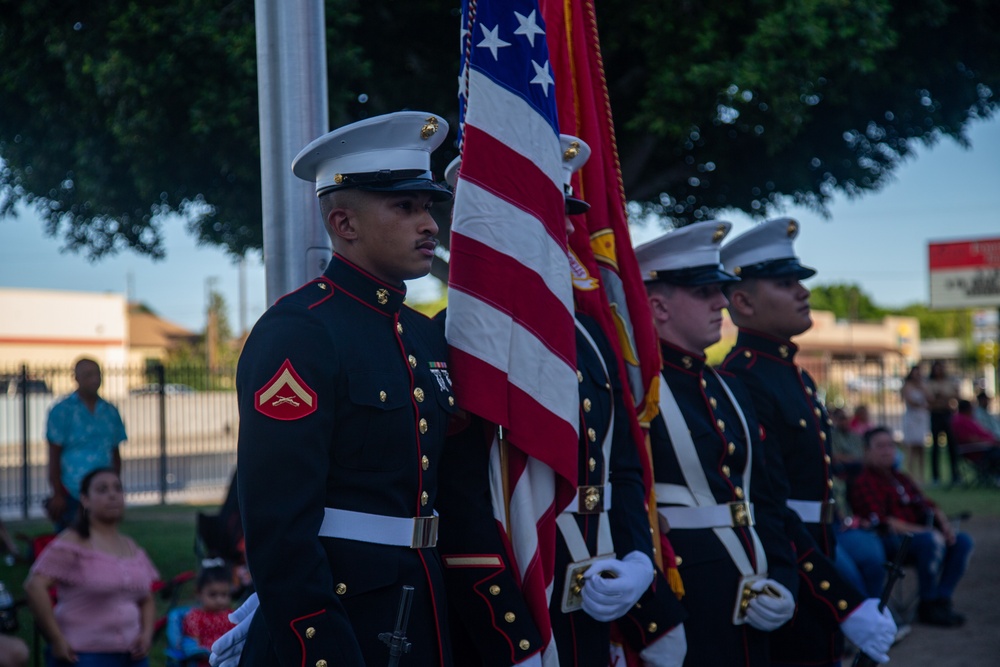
x: 861, y: 560
x: 939, y: 567
x: 97, y: 660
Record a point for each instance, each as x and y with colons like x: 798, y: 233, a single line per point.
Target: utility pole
x: 211, y: 324
x: 291, y: 80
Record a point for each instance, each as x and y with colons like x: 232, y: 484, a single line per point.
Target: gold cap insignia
x: 719, y: 234
x: 652, y: 275
x: 338, y: 178
x: 572, y: 151
x: 383, y: 296
x: 737, y: 270
x: 430, y: 128
x: 793, y: 227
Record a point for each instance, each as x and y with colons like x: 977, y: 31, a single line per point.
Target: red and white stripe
x: 510, y: 320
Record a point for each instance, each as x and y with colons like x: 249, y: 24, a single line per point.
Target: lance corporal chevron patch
x: 286, y: 396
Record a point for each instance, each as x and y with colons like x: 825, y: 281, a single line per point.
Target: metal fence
x: 875, y: 382
x: 181, y: 423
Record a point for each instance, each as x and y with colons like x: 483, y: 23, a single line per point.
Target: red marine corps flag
x: 601, y: 246
x: 510, y: 324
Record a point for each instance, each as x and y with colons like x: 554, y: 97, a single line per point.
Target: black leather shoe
x: 938, y: 612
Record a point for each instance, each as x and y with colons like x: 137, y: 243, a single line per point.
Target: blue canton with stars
x: 506, y: 41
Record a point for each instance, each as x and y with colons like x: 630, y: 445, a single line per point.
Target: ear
x: 342, y: 224
x: 658, y: 307
x: 741, y: 303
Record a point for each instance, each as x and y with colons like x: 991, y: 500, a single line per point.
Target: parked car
x: 11, y: 385
x: 873, y: 383
x: 154, y: 388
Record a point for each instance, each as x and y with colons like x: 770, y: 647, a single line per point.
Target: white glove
x: 667, y: 651
x: 227, y: 649
x: 870, y: 630
x: 606, y: 599
x: 766, y: 612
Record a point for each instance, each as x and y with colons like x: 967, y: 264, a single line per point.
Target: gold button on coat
x: 721, y: 424
x: 592, y: 435
x: 841, y: 605
x: 824, y: 585
x: 826, y: 458
x: 732, y: 448
x: 822, y: 436
x: 424, y: 498
x: 739, y: 492
x: 714, y: 403
x: 579, y: 376
x: 494, y: 590
x: 310, y: 633
x: 341, y: 589
x: 746, y: 353
x: 652, y: 627
x: 586, y: 405
x: 413, y: 361
x: 725, y: 470
x: 509, y: 617
x: 321, y: 663
x: 802, y: 423
x: 807, y: 566
x: 678, y: 560
x: 592, y: 464
x: 382, y: 396
x: 423, y: 425
x: 425, y: 462
x: 399, y: 328
x: 524, y: 644
x: 418, y: 394
x: 817, y: 412
x: 451, y: 400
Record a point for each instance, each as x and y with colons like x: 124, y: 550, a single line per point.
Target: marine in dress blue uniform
x: 770, y: 306
x: 608, y: 518
x: 712, y: 489
x: 344, y: 402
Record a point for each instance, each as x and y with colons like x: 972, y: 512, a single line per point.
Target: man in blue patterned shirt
x: 84, y: 432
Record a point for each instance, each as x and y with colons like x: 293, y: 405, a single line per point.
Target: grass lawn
x: 166, y: 533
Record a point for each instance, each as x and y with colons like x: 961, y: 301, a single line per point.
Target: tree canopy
x: 118, y: 111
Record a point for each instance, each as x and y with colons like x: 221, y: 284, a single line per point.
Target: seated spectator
x: 204, y: 624
x: 846, y: 446
x: 105, y: 613
x: 861, y: 421
x: 967, y: 431
x: 984, y: 417
x: 892, y: 499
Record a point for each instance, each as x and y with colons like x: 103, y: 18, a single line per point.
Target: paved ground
x: 977, y: 643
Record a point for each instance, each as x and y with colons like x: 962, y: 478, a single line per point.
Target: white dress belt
x: 812, y: 511
x: 708, y: 516
x: 417, y: 532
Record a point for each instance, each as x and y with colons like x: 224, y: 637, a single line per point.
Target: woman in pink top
x: 104, y: 612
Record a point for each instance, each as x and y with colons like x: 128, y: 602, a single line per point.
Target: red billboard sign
x: 964, y: 273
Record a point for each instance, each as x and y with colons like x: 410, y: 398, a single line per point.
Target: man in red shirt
x: 893, y: 501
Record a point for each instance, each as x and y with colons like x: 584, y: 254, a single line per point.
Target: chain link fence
x: 181, y: 422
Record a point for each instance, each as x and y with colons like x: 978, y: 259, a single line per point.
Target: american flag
x: 510, y: 319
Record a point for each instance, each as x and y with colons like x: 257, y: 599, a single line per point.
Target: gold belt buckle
x: 572, y: 597
x: 425, y: 532
x: 827, y: 510
x: 740, y: 513
x: 590, y: 499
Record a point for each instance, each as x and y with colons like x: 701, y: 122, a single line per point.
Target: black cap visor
x: 778, y: 268
x: 576, y: 206
x: 708, y: 274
